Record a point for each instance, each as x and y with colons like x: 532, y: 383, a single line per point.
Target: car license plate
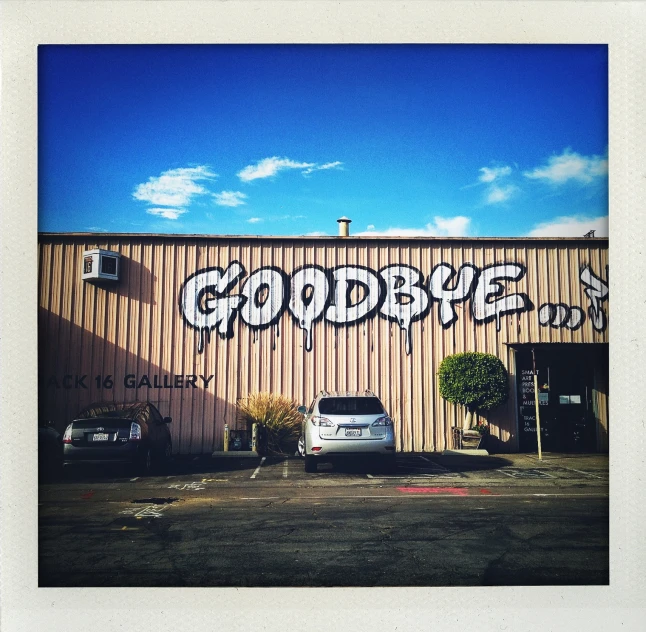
x: 101, y: 436
x: 352, y: 432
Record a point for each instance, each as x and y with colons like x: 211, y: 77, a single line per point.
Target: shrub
x: 477, y: 381
x: 278, y: 415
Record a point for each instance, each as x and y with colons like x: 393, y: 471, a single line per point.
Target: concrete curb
x: 239, y: 454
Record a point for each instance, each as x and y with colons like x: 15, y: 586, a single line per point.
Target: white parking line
x: 259, y: 497
x: 285, y: 467
x: 399, y: 496
x: 422, y: 477
x: 581, y: 472
x: 435, y: 465
x: 258, y: 468
x: 521, y: 473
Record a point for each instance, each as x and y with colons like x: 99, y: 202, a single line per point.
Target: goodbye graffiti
x: 398, y: 293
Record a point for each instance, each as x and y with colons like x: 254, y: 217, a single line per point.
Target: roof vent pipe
x: 344, y: 226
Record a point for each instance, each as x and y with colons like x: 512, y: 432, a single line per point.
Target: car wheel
x: 301, y: 446
x: 144, y: 466
x: 310, y: 464
x: 164, y: 461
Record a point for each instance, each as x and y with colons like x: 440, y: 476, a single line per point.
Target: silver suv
x: 346, y: 424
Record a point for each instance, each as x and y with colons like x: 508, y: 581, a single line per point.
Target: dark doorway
x: 567, y: 377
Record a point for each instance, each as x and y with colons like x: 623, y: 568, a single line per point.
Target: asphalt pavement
x: 439, y: 520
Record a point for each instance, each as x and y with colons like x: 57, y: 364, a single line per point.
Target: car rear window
x: 350, y: 405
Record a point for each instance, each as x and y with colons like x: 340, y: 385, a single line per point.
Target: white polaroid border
x: 25, y: 25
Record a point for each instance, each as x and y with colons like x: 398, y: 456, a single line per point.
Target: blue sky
x: 437, y: 140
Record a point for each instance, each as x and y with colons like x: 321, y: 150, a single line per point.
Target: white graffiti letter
x: 309, y: 293
x: 488, y: 286
x: 265, y: 294
x: 406, y: 299
x: 203, y: 304
x: 597, y: 291
x: 438, y: 285
x: 345, y: 278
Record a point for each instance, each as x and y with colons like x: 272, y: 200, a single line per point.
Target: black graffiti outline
x: 420, y: 284
x: 566, y: 321
x: 370, y: 314
x: 527, y: 306
x: 195, y: 311
x: 327, y: 303
x: 224, y: 294
x: 597, y: 297
x: 445, y: 287
x: 286, y: 278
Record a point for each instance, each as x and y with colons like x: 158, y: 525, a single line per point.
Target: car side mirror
x: 167, y: 420
x: 302, y: 410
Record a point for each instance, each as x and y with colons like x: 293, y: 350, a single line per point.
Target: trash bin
x: 239, y: 440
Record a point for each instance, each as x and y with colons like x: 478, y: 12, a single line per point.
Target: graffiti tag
x: 349, y: 294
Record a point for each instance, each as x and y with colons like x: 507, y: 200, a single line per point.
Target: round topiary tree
x: 478, y: 381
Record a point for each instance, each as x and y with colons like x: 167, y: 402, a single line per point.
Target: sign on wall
x: 212, y: 298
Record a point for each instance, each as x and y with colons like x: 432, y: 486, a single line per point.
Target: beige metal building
x: 193, y: 323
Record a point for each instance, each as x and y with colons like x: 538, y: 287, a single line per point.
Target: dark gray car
x: 134, y: 433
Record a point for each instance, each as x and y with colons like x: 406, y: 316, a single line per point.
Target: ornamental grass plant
x: 278, y: 415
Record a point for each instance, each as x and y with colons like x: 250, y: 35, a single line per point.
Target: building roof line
x: 182, y: 236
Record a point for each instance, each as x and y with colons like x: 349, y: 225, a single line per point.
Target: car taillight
x: 322, y: 421
x: 135, y: 432
x: 67, y: 436
x: 383, y: 421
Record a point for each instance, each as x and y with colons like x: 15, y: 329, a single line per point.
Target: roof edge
x: 182, y: 236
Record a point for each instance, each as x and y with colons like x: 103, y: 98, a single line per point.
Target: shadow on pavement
x: 179, y: 465
x: 468, y: 463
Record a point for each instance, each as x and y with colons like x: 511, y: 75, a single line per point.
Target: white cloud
x: 229, y: 198
x: 327, y: 165
x: 268, y: 167
x: 254, y: 220
x: 490, y: 174
x: 167, y: 213
x: 370, y: 227
x: 440, y: 227
x: 570, y: 166
x: 573, y: 226
x: 96, y: 229
x: 175, y: 187
x: 496, y: 194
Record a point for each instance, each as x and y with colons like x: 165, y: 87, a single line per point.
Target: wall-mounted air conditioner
x: 101, y: 265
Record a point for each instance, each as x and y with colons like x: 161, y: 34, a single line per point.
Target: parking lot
x: 439, y: 520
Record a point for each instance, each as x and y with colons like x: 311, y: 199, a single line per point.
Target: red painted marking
x: 87, y: 495
x: 454, y: 491
x: 485, y: 491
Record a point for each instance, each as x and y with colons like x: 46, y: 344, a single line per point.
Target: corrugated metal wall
x: 135, y: 328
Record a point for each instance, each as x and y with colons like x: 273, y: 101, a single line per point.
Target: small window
x: 87, y: 265
x: 109, y: 265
